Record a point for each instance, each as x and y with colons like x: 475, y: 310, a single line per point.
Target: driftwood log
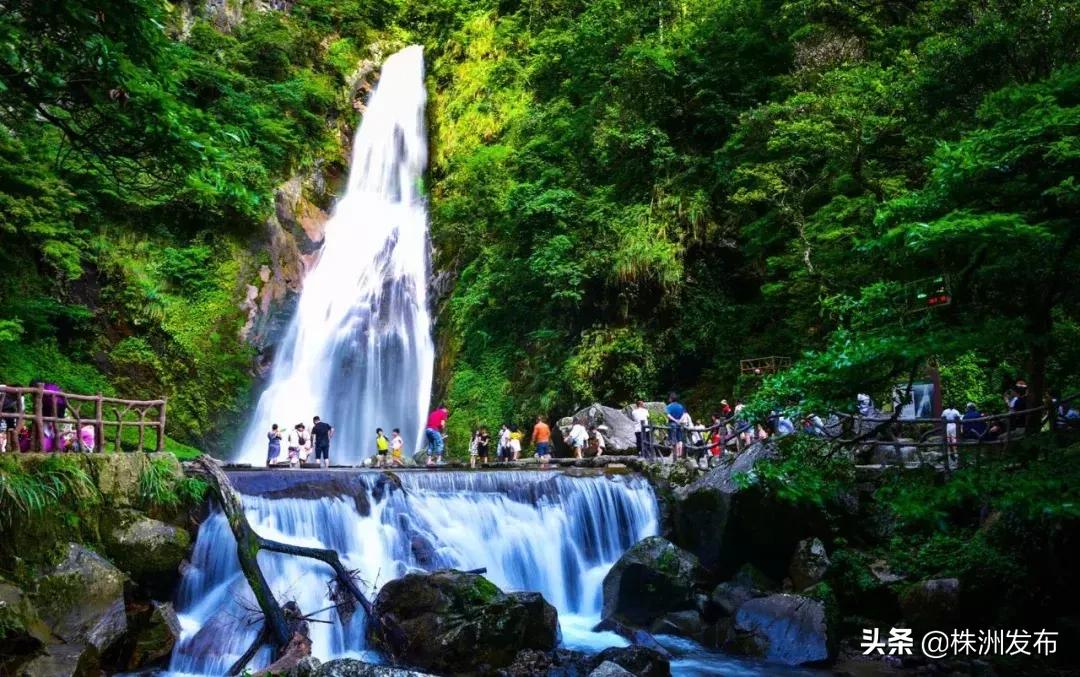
x: 281, y: 624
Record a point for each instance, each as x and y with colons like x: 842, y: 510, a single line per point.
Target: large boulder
x: 82, y: 599
x: 809, y: 564
x: 652, y: 578
x: 148, y: 550
x: 789, y: 629
x: 616, y: 426
x: 455, y: 622
x: 725, y: 518
x: 63, y: 660
x: 638, y: 660
x: 931, y: 604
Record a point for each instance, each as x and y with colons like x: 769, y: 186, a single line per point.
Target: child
x: 515, y: 443
x: 504, y: 443
x: 396, y: 443
x: 596, y: 441
x: 473, y: 448
x: 382, y: 446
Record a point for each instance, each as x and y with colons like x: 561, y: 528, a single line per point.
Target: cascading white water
x: 358, y: 351
x: 532, y: 531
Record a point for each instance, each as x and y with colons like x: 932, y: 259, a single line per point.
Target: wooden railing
x: 108, y: 412
x: 881, y: 430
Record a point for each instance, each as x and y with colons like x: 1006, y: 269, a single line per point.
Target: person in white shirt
x: 504, y: 443
x: 577, y: 437
x: 640, y: 415
x: 598, y: 441
x: 952, y: 426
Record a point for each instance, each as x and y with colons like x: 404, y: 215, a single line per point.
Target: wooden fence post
x: 99, y: 424
x: 161, y: 426
x: 39, y: 421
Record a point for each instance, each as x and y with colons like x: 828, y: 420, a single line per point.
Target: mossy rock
x: 458, y: 623
x: 652, y: 578
x: 149, y: 551
x: 22, y: 632
x: 82, y: 599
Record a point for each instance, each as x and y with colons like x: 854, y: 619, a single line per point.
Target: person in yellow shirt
x: 382, y: 446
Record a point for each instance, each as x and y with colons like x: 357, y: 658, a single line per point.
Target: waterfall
x: 542, y: 532
x: 358, y: 351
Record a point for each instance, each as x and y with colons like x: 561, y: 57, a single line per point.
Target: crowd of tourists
x: 299, y: 444
x: 18, y: 431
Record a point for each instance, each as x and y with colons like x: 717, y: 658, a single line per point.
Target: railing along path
x: 109, y: 412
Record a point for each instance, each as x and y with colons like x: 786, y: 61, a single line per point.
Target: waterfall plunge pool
x: 537, y: 531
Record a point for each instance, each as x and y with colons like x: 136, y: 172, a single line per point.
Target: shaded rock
x: 148, y: 550
x: 610, y: 669
x: 750, y: 577
x: 789, y: 629
x: 348, y: 667
x: 533, y: 663
x: 931, y: 604
x: 683, y: 623
x: 451, y: 621
x: 155, y: 640
x: 22, y: 632
x: 652, y: 578
x: 308, y: 666
x: 728, y: 597
x: 725, y: 518
x: 809, y: 564
x: 63, y: 660
x: 82, y: 599
x: 639, y: 660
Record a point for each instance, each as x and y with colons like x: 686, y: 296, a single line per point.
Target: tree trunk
x: 278, y: 630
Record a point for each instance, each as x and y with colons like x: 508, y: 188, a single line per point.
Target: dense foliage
x: 630, y: 196
x: 637, y: 195
x: 141, y: 145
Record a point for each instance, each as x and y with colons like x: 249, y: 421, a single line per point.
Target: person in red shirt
x: 436, y: 425
x: 541, y: 437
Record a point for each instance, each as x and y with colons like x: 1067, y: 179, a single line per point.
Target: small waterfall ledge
x: 543, y: 532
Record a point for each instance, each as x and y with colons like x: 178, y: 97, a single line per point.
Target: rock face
x: 808, y: 564
x: 454, y: 622
x: 727, y: 520
x: 652, y: 578
x: 148, y: 550
x: 789, y: 629
x: 931, y: 604
x: 22, y: 632
x: 610, y: 669
x: 616, y: 426
x: 156, y: 639
x: 638, y: 660
x: 82, y: 599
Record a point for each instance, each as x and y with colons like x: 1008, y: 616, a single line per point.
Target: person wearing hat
x: 297, y: 444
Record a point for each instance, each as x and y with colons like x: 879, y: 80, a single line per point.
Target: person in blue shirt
x: 676, y: 434
x: 973, y: 430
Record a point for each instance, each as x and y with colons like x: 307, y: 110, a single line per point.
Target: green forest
x: 628, y: 197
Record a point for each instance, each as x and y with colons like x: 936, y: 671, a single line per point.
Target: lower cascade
x: 546, y: 533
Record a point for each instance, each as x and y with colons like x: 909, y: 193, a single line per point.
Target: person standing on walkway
x: 483, y: 444
x: 676, y: 434
x: 541, y: 437
x: 382, y: 448
x: 952, y: 418
x: 396, y: 444
x: 504, y: 443
x: 640, y: 415
x: 273, y: 446
x: 322, y: 432
x: 436, y: 426
x: 578, y: 437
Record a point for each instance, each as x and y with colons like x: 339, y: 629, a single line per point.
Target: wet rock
x: 348, y: 667
x: 728, y: 597
x: 931, y: 604
x: 652, y: 578
x: 155, y: 640
x: 308, y: 666
x: 789, y: 629
x: 610, y: 669
x: 809, y: 564
x: 533, y: 663
x: 638, y: 660
x: 683, y: 623
x: 82, y: 599
x: 454, y: 622
x: 148, y: 550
